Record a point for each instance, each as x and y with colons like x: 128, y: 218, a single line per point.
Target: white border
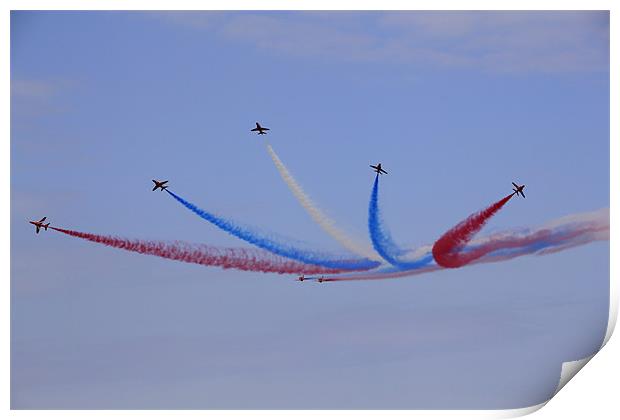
x: 315, y: 5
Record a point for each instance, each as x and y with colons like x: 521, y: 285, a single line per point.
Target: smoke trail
x: 276, y: 247
x: 547, y: 240
x: 382, y: 240
x: 236, y: 258
x: 448, y: 248
x: 327, y: 224
x: 556, y: 236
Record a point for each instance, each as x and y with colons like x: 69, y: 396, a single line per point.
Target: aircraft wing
x: 38, y: 228
x: 516, y: 186
x: 42, y: 219
x: 522, y: 194
x: 383, y: 171
x: 154, y: 188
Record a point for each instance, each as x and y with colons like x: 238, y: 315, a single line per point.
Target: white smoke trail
x: 327, y: 224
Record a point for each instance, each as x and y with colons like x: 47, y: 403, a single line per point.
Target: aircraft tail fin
x: 46, y: 226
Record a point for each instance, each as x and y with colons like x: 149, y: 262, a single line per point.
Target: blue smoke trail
x: 278, y: 248
x: 382, y: 240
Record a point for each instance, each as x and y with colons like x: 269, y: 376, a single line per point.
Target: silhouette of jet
x: 518, y: 189
x: 261, y: 130
x: 159, y: 184
x: 40, y: 224
x: 378, y: 169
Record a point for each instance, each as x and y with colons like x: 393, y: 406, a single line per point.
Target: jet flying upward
x: 378, y: 169
x: 40, y: 224
x: 261, y: 130
x: 518, y: 189
x: 159, y: 184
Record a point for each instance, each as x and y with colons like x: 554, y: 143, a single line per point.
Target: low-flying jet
x: 160, y: 184
x: 321, y: 279
x: 303, y: 277
x: 518, y: 189
x: 261, y: 130
x: 378, y: 169
x: 40, y: 224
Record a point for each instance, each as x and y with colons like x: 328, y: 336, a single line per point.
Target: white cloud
x: 33, y: 98
x: 512, y: 41
x: 196, y: 19
x: 298, y: 37
x: 31, y: 89
x: 490, y: 41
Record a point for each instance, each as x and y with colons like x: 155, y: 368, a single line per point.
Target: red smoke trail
x: 237, y: 258
x: 555, y: 242
x: 446, y: 250
x: 508, y: 245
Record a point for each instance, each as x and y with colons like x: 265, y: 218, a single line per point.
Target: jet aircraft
x: 159, y: 184
x: 378, y: 169
x: 261, y: 130
x: 518, y: 189
x: 40, y: 224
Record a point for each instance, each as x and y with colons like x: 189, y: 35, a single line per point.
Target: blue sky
x: 455, y: 106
